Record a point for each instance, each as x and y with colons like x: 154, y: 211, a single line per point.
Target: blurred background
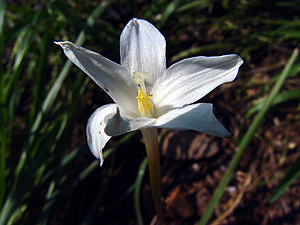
x: 49, y: 176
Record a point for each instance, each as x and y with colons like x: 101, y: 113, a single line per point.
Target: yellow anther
x: 144, y: 104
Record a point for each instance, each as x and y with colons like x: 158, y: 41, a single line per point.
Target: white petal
x: 96, y: 137
x: 113, y: 78
x: 198, y: 117
x: 190, y: 79
x: 121, y: 123
x: 143, y: 48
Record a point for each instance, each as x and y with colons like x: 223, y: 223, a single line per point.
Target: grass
x: 47, y: 173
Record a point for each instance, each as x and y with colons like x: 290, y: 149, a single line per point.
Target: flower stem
x: 151, y: 141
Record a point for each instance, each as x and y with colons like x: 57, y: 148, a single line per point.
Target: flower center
x: 144, y: 102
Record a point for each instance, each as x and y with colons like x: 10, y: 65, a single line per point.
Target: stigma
x: 144, y: 103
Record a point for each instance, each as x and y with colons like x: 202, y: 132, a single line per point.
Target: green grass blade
x: 280, y: 98
x: 112, y: 205
x: 98, y: 199
x: 20, y: 49
x: 45, y: 109
x: 2, y: 13
x: 19, y: 52
x: 288, y: 179
x: 49, y: 100
x: 67, y: 160
x: 195, y: 5
x: 137, y: 191
x: 247, y: 138
x: 39, y: 77
x: 171, y: 8
x: 3, y: 146
x: 3, y: 117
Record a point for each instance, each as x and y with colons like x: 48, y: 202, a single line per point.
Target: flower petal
x: 120, y: 123
x: 96, y: 137
x: 190, y: 79
x: 198, y: 117
x: 143, y: 48
x: 113, y: 78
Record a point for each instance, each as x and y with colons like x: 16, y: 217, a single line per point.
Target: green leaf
x: 288, y: 179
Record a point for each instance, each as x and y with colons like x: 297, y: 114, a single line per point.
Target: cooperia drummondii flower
x: 148, y: 96
x: 146, y: 93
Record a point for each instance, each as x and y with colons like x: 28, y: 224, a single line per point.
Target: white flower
x: 146, y: 93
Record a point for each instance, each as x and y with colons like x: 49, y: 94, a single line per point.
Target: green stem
x: 151, y: 142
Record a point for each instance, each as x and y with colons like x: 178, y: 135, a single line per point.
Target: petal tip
x: 227, y: 134
x: 59, y: 43
x: 240, y: 60
x: 135, y: 22
x: 63, y: 44
x: 101, y: 162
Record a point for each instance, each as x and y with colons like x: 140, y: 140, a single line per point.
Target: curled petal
x: 96, y: 137
x: 190, y: 79
x: 113, y: 78
x: 197, y: 117
x: 143, y: 48
x: 119, y: 123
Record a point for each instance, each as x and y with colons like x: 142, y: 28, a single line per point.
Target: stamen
x: 144, y: 102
